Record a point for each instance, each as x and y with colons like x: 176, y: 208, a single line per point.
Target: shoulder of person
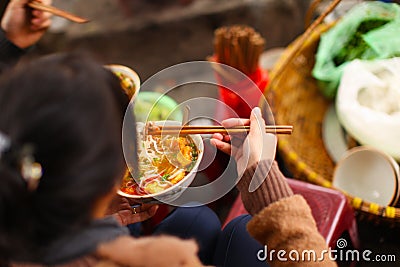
x: 85, y: 261
x: 144, y: 251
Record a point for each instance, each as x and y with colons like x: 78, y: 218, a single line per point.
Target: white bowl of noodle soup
x: 129, y: 79
x: 171, y: 192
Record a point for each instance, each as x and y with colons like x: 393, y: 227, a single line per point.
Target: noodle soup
x: 164, y: 161
x: 167, y: 165
x: 129, y: 79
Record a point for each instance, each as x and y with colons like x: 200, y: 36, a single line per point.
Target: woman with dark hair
x: 60, y: 164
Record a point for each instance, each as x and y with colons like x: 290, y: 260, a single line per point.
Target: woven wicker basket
x: 295, y: 99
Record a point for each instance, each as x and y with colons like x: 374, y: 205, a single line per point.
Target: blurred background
x: 151, y: 35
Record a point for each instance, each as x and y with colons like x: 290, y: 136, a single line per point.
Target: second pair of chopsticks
x: 55, y: 11
x: 189, y: 129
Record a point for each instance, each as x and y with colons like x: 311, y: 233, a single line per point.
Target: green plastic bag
x: 153, y: 106
x: 370, y: 30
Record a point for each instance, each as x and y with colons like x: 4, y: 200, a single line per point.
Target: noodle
x: 163, y: 162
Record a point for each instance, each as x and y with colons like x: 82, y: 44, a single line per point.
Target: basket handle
x: 302, y: 39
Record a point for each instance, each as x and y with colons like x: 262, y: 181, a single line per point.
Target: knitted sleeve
x: 273, y: 187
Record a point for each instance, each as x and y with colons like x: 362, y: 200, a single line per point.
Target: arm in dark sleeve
x: 9, y: 53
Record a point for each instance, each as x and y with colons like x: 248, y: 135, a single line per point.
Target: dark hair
x: 69, y: 109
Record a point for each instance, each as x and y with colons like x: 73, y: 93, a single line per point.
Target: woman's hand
x: 24, y: 26
x: 248, y: 149
x: 122, y: 210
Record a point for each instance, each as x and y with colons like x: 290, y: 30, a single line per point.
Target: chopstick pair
x: 189, y: 129
x: 55, y: 11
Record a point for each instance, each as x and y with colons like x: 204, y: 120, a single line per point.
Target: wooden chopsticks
x: 189, y: 129
x: 58, y: 12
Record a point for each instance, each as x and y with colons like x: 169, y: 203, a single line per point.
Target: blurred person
x: 277, y: 218
x: 21, y: 28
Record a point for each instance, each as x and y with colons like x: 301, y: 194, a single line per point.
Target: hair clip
x: 4, y: 143
x: 31, y: 171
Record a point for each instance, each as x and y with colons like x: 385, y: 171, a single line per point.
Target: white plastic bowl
x: 369, y: 174
x: 170, y: 194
